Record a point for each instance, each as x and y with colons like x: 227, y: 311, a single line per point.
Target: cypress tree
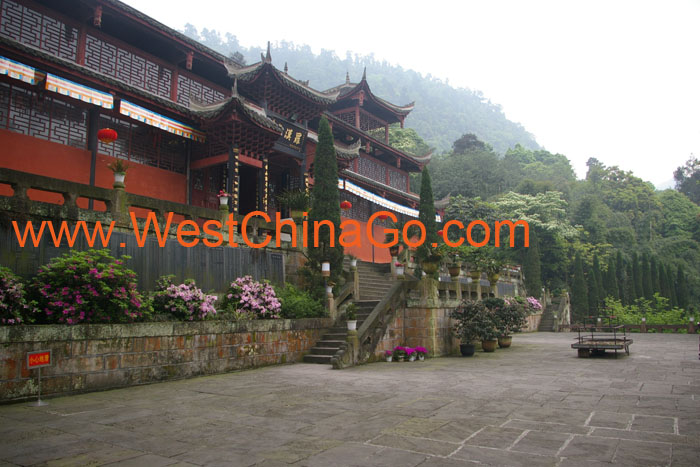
x: 672, y: 285
x: 326, y: 204
x: 620, y: 269
x: 655, y: 280
x: 682, y: 288
x: 629, y: 284
x: 598, y: 278
x: 426, y: 215
x: 579, y: 291
x: 663, y: 281
x: 637, y: 277
x: 532, y: 267
x: 646, y: 277
x: 593, y: 292
x: 612, y: 288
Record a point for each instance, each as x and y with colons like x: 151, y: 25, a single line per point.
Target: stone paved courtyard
x: 534, y: 404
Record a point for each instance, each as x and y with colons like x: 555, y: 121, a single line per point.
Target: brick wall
x: 426, y: 327
x: 94, y: 357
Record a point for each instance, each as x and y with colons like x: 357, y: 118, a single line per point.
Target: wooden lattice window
x: 397, y: 180
x: 371, y: 169
x: 22, y: 111
x: 144, y: 145
x: 190, y: 89
x: 31, y: 27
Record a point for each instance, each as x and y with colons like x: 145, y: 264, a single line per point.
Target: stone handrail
x: 691, y: 327
x: 361, y: 343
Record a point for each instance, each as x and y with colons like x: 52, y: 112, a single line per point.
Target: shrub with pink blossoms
x: 14, y: 307
x: 248, y: 297
x: 182, y: 301
x: 87, y: 287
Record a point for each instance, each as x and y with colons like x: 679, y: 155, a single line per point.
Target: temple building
x: 189, y: 120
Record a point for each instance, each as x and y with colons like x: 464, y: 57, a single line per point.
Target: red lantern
x: 345, y: 205
x: 440, y: 232
x: 383, y: 217
x: 107, y: 135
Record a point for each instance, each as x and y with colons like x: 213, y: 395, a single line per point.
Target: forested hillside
x: 441, y: 115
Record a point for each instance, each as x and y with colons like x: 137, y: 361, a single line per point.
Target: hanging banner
x: 376, y: 199
x: 19, y: 71
x: 78, y: 91
x: 160, y: 121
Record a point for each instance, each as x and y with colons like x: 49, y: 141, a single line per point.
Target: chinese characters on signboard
x: 38, y: 359
x: 292, y: 136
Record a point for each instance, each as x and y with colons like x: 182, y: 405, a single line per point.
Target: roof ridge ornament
x: 364, y: 74
x: 268, y: 56
x: 286, y: 68
x: 234, y: 89
x: 347, y: 77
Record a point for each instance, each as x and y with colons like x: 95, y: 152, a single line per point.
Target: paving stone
x: 498, y: 457
x: 495, y: 437
x: 656, y: 424
x: 637, y: 453
x: 684, y: 455
x: 610, y: 420
x: 600, y: 449
x: 540, y: 442
x: 547, y: 427
x: 421, y: 445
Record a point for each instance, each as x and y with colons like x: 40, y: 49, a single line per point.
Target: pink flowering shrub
x: 534, y: 304
x: 14, y: 308
x: 182, y: 301
x: 87, y: 287
x: 421, y: 350
x: 249, y: 298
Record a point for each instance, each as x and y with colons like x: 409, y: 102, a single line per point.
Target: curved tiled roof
x: 348, y: 88
x: 250, y: 73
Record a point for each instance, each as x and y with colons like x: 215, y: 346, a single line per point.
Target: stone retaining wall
x: 95, y: 357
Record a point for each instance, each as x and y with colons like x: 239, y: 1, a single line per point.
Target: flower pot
x: 505, y: 341
x: 388, y: 358
x: 475, y: 275
x: 352, y: 325
x: 399, y: 270
x: 454, y: 270
x: 119, y: 177
x: 493, y: 278
x: 223, y: 200
x: 412, y: 358
x: 421, y: 357
x: 430, y: 267
x: 467, y: 350
x: 353, y: 263
x: 400, y: 358
x: 489, y: 345
x: 329, y: 290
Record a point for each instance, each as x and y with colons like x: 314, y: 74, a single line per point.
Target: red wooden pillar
x: 173, y: 85
x: 80, y: 53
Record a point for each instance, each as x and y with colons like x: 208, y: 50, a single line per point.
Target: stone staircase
x: 547, y: 321
x: 375, y: 282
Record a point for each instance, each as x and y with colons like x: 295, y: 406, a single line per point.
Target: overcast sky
x: 616, y: 80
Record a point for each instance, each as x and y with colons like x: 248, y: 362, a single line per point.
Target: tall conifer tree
x: 637, y: 277
x: 612, y: 288
x: 655, y: 279
x: 326, y: 204
x: 593, y: 292
x: 646, y: 277
x: 682, y: 288
x: 531, y: 267
x: 629, y: 284
x: 579, y: 290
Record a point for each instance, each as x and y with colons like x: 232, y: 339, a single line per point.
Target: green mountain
x: 442, y: 113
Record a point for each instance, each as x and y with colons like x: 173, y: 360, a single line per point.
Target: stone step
x: 324, y: 359
x: 323, y: 350
x: 336, y: 336
x: 330, y: 343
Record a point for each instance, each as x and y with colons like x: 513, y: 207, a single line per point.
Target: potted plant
x: 411, y: 354
x: 119, y: 168
x: 454, y: 265
x: 493, y: 267
x: 353, y: 260
x: 429, y: 258
x: 388, y: 355
x: 508, y: 317
x: 421, y: 352
x: 297, y: 201
x: 351, y: 316
x: 399, y: 269
x: 485, y: 328
x: 464, y: 328
x: 400, y: 353
x: 223, y: 197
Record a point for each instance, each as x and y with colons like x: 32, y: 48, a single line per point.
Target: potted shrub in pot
x: 223, y: 197
x: 297, y: 201
x: 464, y: 326
x: 485, y: 328
x: 119, y: 168
x: 421, y: 352
x: 388, y: 355
x: 353, y: 261
x: 351, y: 316
x: 400, y: 353
x: 399, y: 269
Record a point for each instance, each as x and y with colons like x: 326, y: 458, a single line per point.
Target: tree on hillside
x: 326, y: 204
x: 630, y: 293
x: 688, y: 179
x: 655, y: 279
x: 637, y: 277
x: 682, y: 288
x: 646, y: 277
x: 579, y: 291
x: 594, y: 292
x: 611, y: 282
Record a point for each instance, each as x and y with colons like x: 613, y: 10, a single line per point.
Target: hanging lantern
x: 382, y: 217
x: 107, y: 135
x: 325, y: 269
x: 440, y: 232
x: 345, y: 205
